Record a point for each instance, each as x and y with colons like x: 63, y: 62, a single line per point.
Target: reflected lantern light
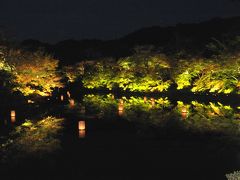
x: 72, y: 103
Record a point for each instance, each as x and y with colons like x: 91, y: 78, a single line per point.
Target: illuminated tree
x: 143, y: 72
x: 99, y: 74
x: 215, y: 76
x: 36, y: 73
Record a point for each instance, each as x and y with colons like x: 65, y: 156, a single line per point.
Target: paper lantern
x: 13, y: 113
x: 184, y: 112
x: 184, y: 115
x: 62, y: 98
x: 145, y: 99
x: 81, y: 125
x: 82, y: 129
x: 72, y: 103
x: 120, y: 107
x: 152, y: 102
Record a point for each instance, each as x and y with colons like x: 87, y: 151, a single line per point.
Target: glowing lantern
x: 184, y: 113
x: 81, y: 129
x: 68, y: 94
x: 152, y: 102
x: 72, y: 103
x: 13, y: 113
x: 113, y: 97
x: 120, y: 107
x: 13, y: 119
x: 145, y: 99
x: 81, y: 125
x: 62, y: 97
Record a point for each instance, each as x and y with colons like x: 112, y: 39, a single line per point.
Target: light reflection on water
x: 13, y: 119
x: 97, y: 117
x: 169, y: 125
x: 71, y: 103
x: 211, y: 117
x: 161, y: 112
x: 82, y: 134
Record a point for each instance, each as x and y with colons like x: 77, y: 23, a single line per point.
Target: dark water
x: 140, y: 138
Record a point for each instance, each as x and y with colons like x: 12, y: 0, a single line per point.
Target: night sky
x: 55, y: 20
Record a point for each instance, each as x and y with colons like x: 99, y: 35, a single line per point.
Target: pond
x: 107, y: 136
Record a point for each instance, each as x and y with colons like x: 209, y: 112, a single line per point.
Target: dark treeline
x: 200, y: 39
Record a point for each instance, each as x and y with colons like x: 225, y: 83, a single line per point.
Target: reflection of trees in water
x: 32, y: 139
x: 212, y: 118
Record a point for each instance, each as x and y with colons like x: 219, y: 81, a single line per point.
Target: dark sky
x: 54, y: 20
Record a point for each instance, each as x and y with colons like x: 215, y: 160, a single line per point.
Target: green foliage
x: 213, y: 118
x: 206, y: 75
x: 139, y: 73
x: 100, y: 105
x: 99, y: 75
x: 32, y: 139
x: 153, y: 73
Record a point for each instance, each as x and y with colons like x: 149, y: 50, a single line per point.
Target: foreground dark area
x: 122, y: 138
